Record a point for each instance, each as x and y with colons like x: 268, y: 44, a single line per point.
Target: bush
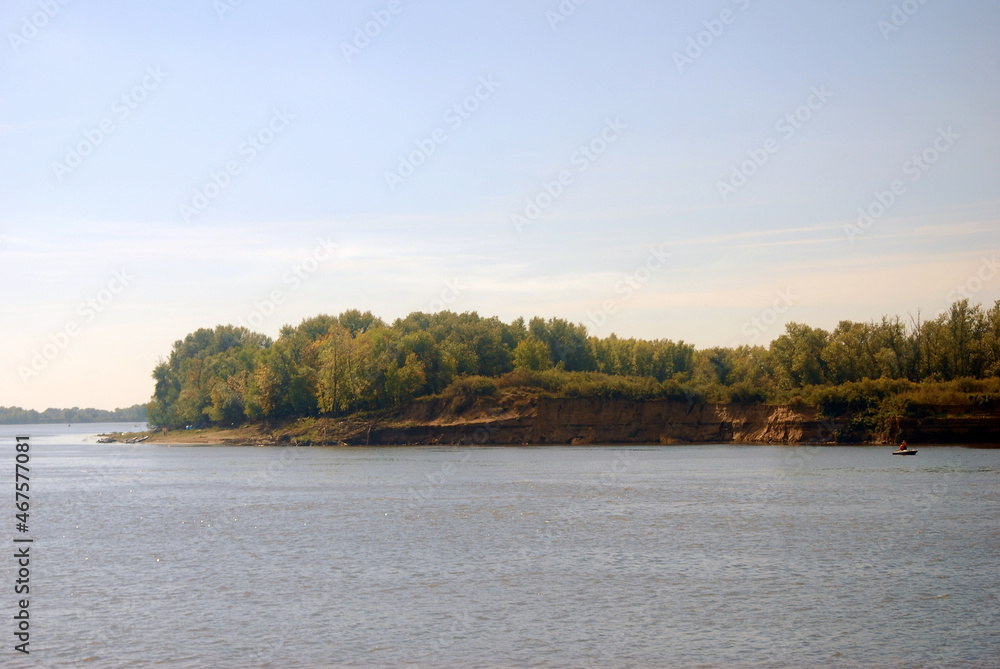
x: 463, y: 391
x: 471, y: 385
x: 985, y: 401
x: 745, y: 393
x: 551, y: 380
x: 675, y: 391
x: 595, y: 384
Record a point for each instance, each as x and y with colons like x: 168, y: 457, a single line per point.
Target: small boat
x: 906, y: 452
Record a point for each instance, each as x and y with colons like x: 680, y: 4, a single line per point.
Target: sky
x: 705, y: 172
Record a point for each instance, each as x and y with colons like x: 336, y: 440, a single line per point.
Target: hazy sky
x: 655, y: 169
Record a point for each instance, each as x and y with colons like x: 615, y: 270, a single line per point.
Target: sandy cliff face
x: 593, y: 420
x: 603, y: 421
x: 524, y: 418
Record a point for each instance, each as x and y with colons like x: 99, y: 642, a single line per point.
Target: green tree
x: 402, y: 383
x: 532, y: 354
x: 797, y: 356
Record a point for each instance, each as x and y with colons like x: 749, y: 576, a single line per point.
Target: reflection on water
x: 556, y: 557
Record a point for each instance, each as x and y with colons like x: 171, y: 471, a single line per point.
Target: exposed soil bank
x: 519, y: 418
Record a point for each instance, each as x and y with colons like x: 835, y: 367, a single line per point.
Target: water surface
x: 149, y: 555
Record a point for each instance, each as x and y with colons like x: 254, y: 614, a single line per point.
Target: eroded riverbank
x: 541, y: 420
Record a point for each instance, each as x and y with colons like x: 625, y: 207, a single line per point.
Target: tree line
x: 19, y: 416
x: 355, y: 362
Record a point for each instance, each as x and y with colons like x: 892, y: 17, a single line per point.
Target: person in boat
x: 902, y: 446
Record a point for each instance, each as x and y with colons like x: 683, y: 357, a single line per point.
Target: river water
x: 666, y: 556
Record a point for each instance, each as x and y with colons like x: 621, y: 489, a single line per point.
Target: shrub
x: 551, y: 380
x: 463, y: 391
x: 675, y: 391
x: 595, y: 384
x: 745, y: 393
x: 985, y: 401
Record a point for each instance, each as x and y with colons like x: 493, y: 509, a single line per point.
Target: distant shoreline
x: 17, y: 416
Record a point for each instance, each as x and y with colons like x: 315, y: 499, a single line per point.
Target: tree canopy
x: 338, y: 365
